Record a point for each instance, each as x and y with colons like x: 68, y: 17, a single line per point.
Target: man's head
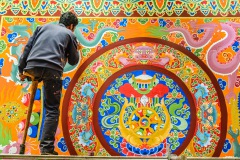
x: 69, y: 20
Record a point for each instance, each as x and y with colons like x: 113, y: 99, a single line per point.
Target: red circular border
x: 158, y: 69
x: 65, y: 104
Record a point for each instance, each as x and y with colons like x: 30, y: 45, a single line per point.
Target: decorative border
x: 122, y: 8
x: 223, y: 107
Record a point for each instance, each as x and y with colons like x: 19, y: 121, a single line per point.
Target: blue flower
x: 200, y: 31
x: 12, y: 36
x: 204, y: 139
x: 86, y: 90
x: 30, y: 20
x: 62, y: 145
x: 235, y: 46
x: 37, y: 95
x: 104, y: 43
x: 85, y: 30
x: 2, y: 13
x: 202, y: 91
x: 121, y: 38
x: 227, y: 146
x: 162, y: 23
x: 222, y: 83
x: 1, y: 65
x: 1, y: 62
x: 188, y: 48
x: 66, y: 82
x: 123, y: 22
x: 84, y: 137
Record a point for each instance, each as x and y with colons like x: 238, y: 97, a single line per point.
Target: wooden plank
x: 39, y: 157
x: 20, y: 156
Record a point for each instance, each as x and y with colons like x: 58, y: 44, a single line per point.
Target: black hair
x: 68, y: 18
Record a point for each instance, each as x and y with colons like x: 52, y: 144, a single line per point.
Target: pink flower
x: 237, y: 84
x: 97, y: 66
x: 42, y: 20
x: 26, y: 99
x: 3, y: 31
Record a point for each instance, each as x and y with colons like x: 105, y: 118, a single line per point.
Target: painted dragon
x: 229, y: 68
x: 20, y: 41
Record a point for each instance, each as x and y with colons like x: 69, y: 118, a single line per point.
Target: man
x: 44, y: 57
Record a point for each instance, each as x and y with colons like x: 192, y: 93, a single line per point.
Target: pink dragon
x: 229, y: 68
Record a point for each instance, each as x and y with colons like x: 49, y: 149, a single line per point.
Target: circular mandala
x: 136, y: 109
x: 141, y: 96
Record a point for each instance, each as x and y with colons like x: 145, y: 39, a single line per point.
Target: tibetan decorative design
x: 140, y: 97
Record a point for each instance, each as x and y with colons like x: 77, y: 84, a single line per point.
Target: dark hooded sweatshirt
x: 50, y: 46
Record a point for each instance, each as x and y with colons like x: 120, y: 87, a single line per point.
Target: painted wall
x: 152, y: 74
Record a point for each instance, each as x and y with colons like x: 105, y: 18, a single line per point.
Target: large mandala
x: 140, y: 96
x: 143, y: 107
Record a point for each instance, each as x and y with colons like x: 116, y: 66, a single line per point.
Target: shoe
x: 49, y: 153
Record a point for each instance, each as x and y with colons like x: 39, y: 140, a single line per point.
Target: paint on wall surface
x: 142, y: 82
x: 127, y: 8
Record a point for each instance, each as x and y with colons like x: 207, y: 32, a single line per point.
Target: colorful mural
x: 152, y: 74
x: 121, y: 7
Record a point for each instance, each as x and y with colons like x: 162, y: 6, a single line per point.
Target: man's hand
x: 22, y: 77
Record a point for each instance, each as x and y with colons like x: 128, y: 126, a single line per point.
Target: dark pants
x: 52, y: 82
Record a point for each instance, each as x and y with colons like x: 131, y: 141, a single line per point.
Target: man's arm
x: 72, y: 50
x: 22, y: 61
